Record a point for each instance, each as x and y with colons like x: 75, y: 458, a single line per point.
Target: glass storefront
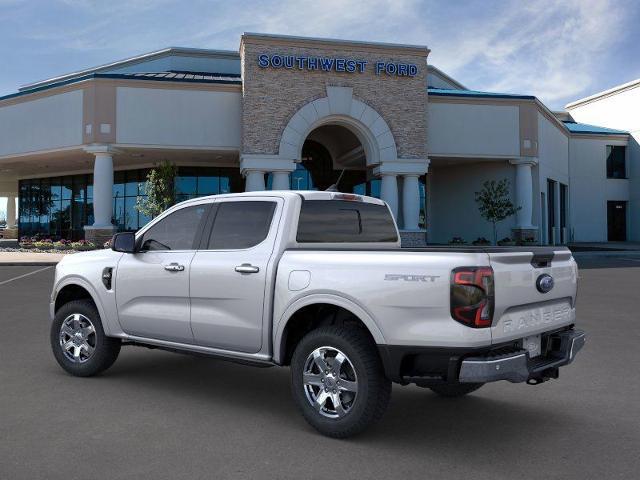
x: 60, y: 207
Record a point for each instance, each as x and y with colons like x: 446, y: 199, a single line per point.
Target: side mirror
x: 124, y: 242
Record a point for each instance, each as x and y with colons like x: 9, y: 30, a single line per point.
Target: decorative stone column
x: 254, y: 180
x: 389, y: 191
x: 11, y: 232
x: 254, y: 166
x: 11, y: 212
x: 410, y: 170
x: 524, y: 198
x: 410, y: 202
x: 280, y: 181
x: 102, y: 228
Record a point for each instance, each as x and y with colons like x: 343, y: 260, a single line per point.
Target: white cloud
x: 549, y: 48
x: 546, y: 48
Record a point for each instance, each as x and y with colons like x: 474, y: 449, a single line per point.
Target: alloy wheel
x: 77, y: 338
x: 330, y: 382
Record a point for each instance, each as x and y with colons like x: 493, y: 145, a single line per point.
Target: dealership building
x: 305, y: 113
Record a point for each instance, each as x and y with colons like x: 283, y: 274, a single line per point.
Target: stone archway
x: 340, y: 108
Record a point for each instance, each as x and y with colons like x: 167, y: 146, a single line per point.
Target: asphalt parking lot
x: 160, y: 415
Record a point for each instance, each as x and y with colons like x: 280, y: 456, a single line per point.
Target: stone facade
x: 272, y: 95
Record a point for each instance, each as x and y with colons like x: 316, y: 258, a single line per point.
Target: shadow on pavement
x: 416, y: 418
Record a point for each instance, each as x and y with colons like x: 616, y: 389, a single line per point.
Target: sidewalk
x: 29, y: 258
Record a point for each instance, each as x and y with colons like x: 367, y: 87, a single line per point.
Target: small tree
x: 494, y: 203
x: 160, y: 190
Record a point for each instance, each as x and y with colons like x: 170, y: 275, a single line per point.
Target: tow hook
x: 544, y: 376
x: 536, y: 380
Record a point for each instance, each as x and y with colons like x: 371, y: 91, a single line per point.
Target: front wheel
x: 78, y: 340
x: 337, y: 381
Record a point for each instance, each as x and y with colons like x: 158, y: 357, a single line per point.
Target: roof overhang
x: 145, y: 57
x: 605, y: 93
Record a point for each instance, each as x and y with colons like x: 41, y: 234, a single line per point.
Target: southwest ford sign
x: 333, y: 64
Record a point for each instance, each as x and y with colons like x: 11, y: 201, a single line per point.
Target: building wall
x: 453, y: 211
x: 271, y: 96
x: 468, y: 129
x: 190, y: 118
x: 590, y: 189
x: 553, y: 163
x: 620, y: 111
x: 45, y: 123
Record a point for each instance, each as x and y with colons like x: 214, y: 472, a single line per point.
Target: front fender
x: 317, y: 298
x: 109, y: 320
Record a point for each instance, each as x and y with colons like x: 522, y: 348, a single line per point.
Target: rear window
x: 339, y: 221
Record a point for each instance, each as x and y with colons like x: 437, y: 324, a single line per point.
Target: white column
x: 411, y: 202
x: 280, y: 181
x: 103, y: 189
x: 255, y: 181
x: 11, y: 212
x: 389, y: 192
x: 524, y: 192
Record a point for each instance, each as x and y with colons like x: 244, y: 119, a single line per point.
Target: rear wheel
x: 78, y: 340
x: 455, y: 389
x: 338, y: 382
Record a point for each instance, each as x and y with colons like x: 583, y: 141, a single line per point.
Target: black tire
x: 374, y: 389
x: 105, y: 351
x: 453, y: 390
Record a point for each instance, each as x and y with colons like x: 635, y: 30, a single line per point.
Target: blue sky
x: 556, y: 50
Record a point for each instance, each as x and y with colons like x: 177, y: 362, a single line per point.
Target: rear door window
x: 239, y: 225
x: 340, y: 221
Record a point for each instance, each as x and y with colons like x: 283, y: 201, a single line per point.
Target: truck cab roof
x: 305, y: 194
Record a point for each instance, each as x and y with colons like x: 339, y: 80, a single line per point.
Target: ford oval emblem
x: 544, y: 283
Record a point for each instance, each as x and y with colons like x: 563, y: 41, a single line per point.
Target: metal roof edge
x: 132, y: 61
x: 476, y: 94
x: 123, y: 76
x: 605, y: 93
x: 447, y: 77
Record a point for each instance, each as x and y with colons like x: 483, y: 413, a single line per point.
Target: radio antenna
x: 334, y: 187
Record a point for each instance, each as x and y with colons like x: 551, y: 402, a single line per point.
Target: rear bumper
x: 518, y: 367
x: 426, y: 366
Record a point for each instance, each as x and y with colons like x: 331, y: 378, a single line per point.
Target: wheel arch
x: 298, y: 308
x: 77, y: 288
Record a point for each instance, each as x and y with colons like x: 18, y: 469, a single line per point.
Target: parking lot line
x: 25, y: 275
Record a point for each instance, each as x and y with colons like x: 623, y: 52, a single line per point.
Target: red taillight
x: 472, y: 298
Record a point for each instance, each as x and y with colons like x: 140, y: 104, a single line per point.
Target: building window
x: 564, y: 197
x: 616, y: 161
x: 551, y: 210
x: 60, y: 207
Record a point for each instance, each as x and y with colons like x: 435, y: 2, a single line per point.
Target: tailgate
x: 521, y: 307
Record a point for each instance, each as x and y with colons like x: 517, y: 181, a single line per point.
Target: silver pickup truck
x: 318, y: 281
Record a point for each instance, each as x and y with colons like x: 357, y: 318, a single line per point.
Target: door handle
x: 247, y: 268
x: 174, y: 267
